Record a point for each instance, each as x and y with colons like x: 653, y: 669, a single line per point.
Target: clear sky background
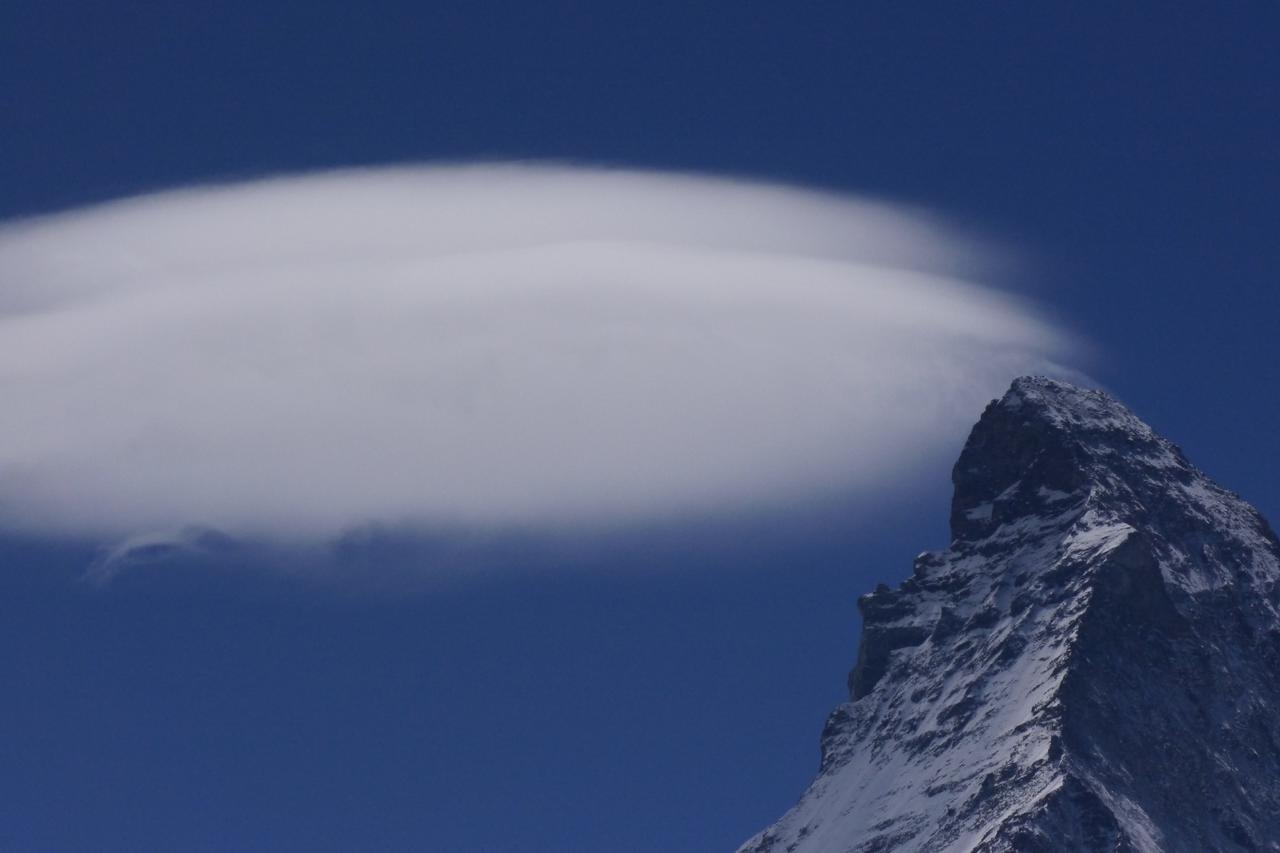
x: 667, y: 694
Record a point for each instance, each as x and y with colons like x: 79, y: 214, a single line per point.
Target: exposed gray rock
x: 1093, y: 664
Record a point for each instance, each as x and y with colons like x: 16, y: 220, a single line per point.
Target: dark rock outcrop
x: 1093, y: 664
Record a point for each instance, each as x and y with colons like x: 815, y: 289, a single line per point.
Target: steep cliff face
x: 1093, y: 664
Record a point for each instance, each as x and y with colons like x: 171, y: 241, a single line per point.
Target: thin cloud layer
x: 492, y: 346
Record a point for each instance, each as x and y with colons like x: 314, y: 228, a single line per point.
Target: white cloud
x: 492, y: 345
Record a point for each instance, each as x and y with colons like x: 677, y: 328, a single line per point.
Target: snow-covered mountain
x: 1093, y: 664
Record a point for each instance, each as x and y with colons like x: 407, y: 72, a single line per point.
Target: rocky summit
x: 1092, y: 665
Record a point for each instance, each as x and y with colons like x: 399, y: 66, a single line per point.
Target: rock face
x: 1093, y: 664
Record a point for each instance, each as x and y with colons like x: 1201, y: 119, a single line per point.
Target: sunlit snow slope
x: 1093, y: 664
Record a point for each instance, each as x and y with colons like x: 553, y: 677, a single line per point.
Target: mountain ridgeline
x: 1092, y: 665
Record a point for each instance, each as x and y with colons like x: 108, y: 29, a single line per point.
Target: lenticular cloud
x: 490, y: 345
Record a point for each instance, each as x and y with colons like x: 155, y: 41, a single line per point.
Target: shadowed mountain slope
x: 1093, y: 664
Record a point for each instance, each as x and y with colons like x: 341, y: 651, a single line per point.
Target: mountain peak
x: 1087, y: 416
x: 1070, y: 407
x: 1089, y: 665
x: 1046, y: 441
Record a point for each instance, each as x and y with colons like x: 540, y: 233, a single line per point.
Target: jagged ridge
x: 1091, y: 665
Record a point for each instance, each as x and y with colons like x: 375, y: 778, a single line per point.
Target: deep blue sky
x: 1133, y: 153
